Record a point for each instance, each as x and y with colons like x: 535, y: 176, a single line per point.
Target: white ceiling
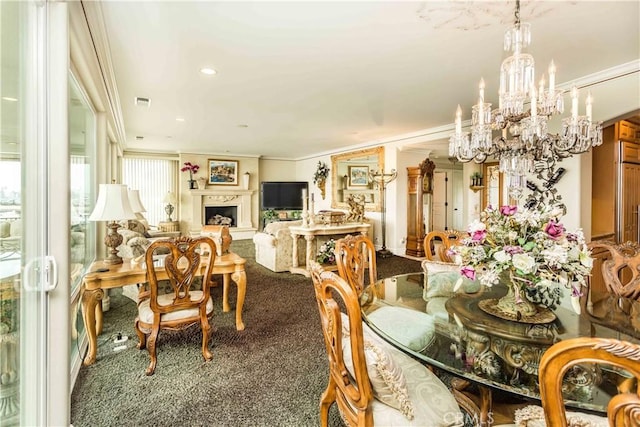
x: 301, y: 78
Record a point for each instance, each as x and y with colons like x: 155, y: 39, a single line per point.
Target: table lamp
x: 170, y: 200
x: 112, y: 206
x: 136, y: 204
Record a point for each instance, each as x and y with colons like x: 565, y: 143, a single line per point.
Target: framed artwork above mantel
x: 223, y: 172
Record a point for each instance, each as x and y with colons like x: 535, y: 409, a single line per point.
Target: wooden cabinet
x: 419, y: 189
x: 616, y: 184
x: 628, y: 131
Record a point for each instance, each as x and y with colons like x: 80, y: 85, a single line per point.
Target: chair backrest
x: 437, y: 243
x: 186, y: 256
x: 354, y: 254
x: 623, y: 409
x: 621, y: 273
x: 353, y: 394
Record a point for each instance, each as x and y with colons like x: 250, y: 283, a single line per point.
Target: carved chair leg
x: 142, y: 337
x: 206, y: 328
x: 151, y: 346
x: 327, y: 399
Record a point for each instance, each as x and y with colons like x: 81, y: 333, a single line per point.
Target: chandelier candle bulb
x: 458, y: 120
x: 574, y: 103
x: 588, y: 105
x: 552, y: 78
x: 534, y: 106
x: 541, y: 90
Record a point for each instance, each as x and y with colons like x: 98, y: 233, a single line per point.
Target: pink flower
x: 508, y: 210
x: 468, y: 272
x: 478, y: 235
x: 554, y: 229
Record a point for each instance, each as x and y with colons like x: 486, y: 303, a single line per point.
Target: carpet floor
x: 270, y: 374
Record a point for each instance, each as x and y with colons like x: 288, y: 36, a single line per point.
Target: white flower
x: 556, y: 256
x: 524, y: 263
x: 585, y: 259
x: 476, y: 226
x: 502, y: 256
x: 488, y: 278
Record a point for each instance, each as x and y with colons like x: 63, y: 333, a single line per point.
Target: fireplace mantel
x: 223, y: 197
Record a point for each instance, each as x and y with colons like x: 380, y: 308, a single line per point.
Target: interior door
x: 440, y: 201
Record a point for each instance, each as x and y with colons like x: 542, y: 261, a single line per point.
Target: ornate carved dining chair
x: 355, y: 254
x: 621, y: 273
x: 181, y: 306
x: 371, y: 382
x: 437, y: 243
x: 623, y: 409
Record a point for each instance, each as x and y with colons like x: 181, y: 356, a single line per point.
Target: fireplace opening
x: 221, y: 215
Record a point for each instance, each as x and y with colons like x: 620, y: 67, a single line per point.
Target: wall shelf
x: 476, y: 188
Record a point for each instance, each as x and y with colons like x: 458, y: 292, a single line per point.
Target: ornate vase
x: 515, y: 305
x: 202, y: 183
x: 321, y: 185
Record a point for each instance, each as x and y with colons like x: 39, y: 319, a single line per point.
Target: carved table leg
x: 225, y: 292
x: 240, y: 278
x: 90, y: 300
x: 310, y: 250
x: 295, y: 250
x: 482, y: 412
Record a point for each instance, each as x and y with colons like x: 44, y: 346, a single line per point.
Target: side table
x: 169, y: 226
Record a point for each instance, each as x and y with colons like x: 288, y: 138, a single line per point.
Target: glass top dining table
x: 450, y: 332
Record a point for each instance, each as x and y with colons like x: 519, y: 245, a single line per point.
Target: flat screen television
x: 282, y: 195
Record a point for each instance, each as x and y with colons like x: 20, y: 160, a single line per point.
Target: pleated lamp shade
x: 135, y: 202
x: 113, y: 204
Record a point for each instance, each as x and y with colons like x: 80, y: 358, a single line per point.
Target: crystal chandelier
x: 522, y: 144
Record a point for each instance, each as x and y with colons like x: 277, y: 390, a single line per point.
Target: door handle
x: 32, y: 268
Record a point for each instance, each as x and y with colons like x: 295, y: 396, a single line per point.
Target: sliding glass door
x: 34, y: 214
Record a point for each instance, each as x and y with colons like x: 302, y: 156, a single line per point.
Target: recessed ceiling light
x: 139, y: 138
x: 8, y: 98
x: 208, y: 71
x: 243, y: 126
x: 179, y: 119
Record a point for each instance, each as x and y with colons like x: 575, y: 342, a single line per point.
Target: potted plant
x: 320, y: 177
x: 192, y: 169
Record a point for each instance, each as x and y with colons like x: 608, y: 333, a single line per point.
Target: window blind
x: 154, y: 178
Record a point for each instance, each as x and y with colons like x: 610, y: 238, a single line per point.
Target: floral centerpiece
x: 192, y: 169
x: 320, y: 177
x: 529, y: 251
x: 326, y: 254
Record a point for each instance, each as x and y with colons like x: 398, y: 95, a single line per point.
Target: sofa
x: 10, y: 236
x: 274, y: 246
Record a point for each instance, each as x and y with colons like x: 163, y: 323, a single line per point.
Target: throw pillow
x: 387, y: 380
x: 442, y: 278
x: 411, y: 328
x: 442, y: 284
x: 5, y: 228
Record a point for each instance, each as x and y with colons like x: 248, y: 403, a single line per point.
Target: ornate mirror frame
x: 343, y: 164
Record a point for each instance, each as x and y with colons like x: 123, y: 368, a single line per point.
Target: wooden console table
x: 310, y: 234
x: 230, y: 265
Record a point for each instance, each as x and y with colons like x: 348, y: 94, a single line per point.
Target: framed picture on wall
x: 223, y: 172
x: 358, y: 176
